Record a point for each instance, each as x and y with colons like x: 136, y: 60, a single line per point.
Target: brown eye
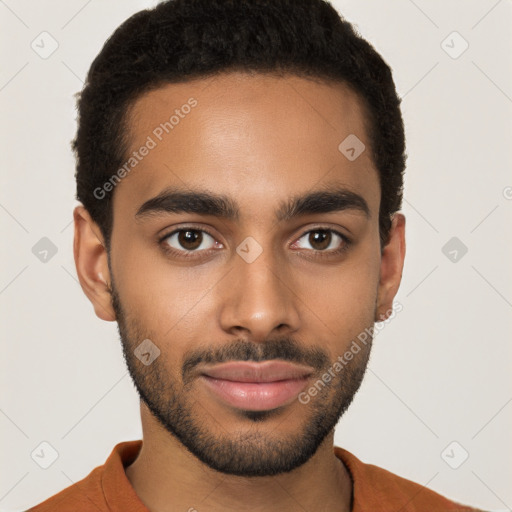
x: 323, y: 240
x: 320, y: 240
x: 189, y: 240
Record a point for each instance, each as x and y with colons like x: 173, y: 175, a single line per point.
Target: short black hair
x: 181, y: 40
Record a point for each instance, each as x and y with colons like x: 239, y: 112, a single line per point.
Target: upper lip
x: 268, y: 371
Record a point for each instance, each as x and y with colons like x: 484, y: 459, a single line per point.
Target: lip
x: 246, y: 371
x: 256, y: 386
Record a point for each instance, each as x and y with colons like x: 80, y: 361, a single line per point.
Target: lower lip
x: 255, y: 396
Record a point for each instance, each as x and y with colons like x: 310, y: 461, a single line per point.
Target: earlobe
x: 91, y: 261
x: 391, y: 267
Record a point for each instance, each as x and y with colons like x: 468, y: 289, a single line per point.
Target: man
x: 240, y: 165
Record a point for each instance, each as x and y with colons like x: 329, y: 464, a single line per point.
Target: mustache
x: 244, y: 350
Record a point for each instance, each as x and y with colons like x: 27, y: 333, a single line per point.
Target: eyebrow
x: 203, y: 202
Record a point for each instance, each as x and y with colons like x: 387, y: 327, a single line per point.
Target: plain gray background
x: 439, y: 372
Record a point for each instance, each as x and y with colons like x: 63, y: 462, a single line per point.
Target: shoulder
x: 105, y: 484
x: 375, y: 488
x: 83, y: 495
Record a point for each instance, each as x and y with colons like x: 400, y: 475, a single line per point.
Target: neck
x: 168, y: 478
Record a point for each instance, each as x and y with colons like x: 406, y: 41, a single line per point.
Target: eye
x: 324, y: 240
x: 189, y: 240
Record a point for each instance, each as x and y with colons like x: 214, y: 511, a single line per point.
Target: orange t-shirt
x: 107, y: 489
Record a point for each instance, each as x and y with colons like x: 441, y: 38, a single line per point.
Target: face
x: 245, y: 234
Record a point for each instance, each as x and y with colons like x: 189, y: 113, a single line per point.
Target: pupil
x: 189, y: 239
x: 320, y: 237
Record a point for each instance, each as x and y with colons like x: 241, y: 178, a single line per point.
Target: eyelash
x: 192, y: 254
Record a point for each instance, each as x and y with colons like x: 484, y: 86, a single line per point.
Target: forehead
x: 254, y: 137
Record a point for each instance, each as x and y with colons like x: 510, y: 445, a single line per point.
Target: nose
x: 258, y: 298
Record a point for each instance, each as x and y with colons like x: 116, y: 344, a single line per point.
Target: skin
x: 259, y: 139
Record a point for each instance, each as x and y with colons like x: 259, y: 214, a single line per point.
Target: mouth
x: 256, y: 386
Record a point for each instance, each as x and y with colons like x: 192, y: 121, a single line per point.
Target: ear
x: 392, y: 263
x: 92, y: 264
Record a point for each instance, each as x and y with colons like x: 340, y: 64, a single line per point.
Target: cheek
x: 343, y: 297
x: 175, y: 301
x: 159, y: 294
